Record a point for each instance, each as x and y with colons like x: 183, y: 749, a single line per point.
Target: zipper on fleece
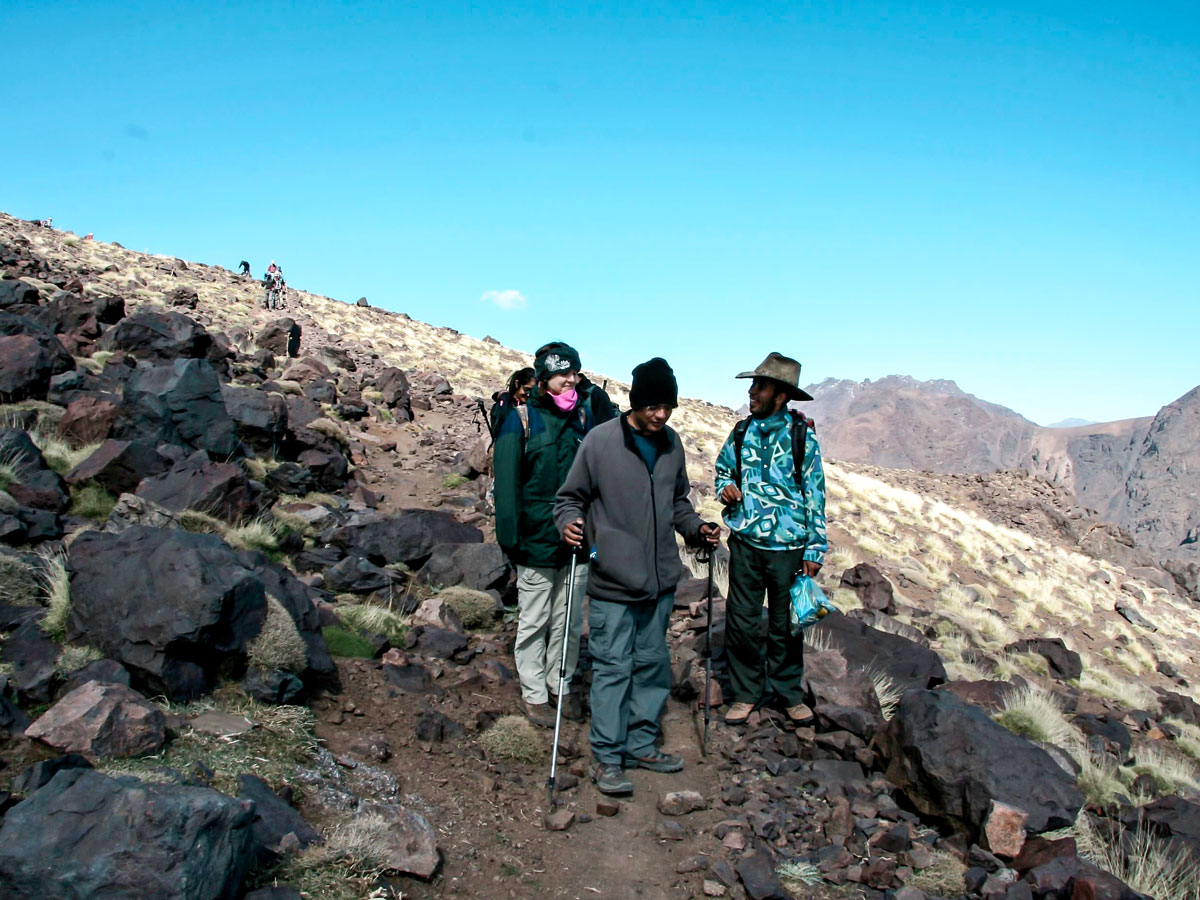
x: 654, y: 513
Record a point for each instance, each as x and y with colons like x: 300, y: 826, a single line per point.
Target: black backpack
x: 800, y: 425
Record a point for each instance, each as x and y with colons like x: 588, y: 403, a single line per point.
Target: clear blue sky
x: 1009, y: 198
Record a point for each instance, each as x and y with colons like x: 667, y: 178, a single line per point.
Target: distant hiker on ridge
x: 245, y: 267
x: 625, y: 498
x: 534, y: 449
x: 777, y: 530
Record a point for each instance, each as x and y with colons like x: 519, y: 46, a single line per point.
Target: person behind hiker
x: 534, y: 449
x: 625, y: 498
x: 245, y: 267
x: 777, y: 530
x: 597, y: 398
x: 520, y: 385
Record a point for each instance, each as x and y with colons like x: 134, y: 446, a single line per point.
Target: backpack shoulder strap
x: 800, y: 426
x: 739, y: 437
x: 523, y: 413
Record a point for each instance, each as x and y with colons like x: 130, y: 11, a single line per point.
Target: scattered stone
x: 872, y: 588
x: 221, y: 724
x: 606, y: 807
x: 412, y: 844
x: 102, y: 720
x: 277, y: 827
x: 372, y: 746
x: 698, y: 863
x: 1004, y: 829
x: 680, y: 803
x: 560, y: 820
x: 1128, y: 612
x: 757, y: 871
x: 670, y: 831
x: 1065, y: 664
x: 713, y: 888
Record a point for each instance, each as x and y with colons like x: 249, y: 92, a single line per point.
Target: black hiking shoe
x: 541, y: 714
x: 656, y: 761
x: 572, y: 706
x: 610, y: 779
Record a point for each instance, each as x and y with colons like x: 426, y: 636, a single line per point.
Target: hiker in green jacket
x: 535, y: 447
x: 625, y: 499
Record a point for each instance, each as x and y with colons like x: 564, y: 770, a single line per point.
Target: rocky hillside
x: 255, y: 639
x: 1143, y: 474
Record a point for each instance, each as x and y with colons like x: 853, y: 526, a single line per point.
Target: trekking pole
x: 562, y: 678
x: 707, y: 553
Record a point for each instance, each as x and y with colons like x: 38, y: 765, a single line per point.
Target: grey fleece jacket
x: 629, y: 514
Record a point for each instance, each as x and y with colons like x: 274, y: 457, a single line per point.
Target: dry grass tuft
x: 57, y: 585
x: 19, y: 585
x: 278, y: 645
x: 1172, y: 774
x: 91, y: 501
x: 258, y: 534
x: 1142, y: 860
x: 374, y: 619
x: 1131, y: 695
x: 513, y: 738
x: 1036, y: 714
x: 72, y: 658
x: 943, y: 879
x: 476, y: 609
x: 200, y: 522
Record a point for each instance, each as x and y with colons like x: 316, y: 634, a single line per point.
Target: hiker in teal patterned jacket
x: 535, y: 447
x: 777, y: 530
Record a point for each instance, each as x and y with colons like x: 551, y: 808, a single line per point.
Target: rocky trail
x: 257, y: 642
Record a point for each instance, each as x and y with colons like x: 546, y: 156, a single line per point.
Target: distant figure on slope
x: 245, y: 267
x: 596, y: 397
x: 272, y: 285
x: 770, y: 478
x: 520, y: 386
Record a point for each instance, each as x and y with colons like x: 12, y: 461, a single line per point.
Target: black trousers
x: 757, y: 666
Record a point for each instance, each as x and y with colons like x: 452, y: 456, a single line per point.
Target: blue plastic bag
x: 809, y: 604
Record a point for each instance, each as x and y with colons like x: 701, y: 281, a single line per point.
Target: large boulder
x: 280, y: 336
x: 102, y: 720
x: 119, y: 466
x: 906, y: 663
x: 408, y: 536
x: 17, y: 293
x: 261, y: 417
x: 952, y: 761
x: 478, y: 566
x: 32, y: 659
x: 158, y: 337
x: 872, y: 588
x: 1173, y: 819
x: 220, y: 489
x: 397, y: 394
x: 88, y: 419
x: 26, y: 367
x: 171, y: 606
x: 178, y: 403
x: 86, y: 835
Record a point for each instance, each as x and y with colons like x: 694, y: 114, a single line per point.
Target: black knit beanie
x: 653, y: 384
x: 554, y: 360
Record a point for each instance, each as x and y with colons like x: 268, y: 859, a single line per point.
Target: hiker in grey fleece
x: 624, y: 498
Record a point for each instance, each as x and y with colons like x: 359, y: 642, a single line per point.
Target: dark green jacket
x: 528, y: 470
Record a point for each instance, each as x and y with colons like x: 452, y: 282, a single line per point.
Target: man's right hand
x: 731, y: 494
x: 573, y: 533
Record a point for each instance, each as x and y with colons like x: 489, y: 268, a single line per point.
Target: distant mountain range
x: 1070, y: 423
x: 1142, y: 473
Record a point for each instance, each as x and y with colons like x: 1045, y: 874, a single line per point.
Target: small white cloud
x: 505, y: 299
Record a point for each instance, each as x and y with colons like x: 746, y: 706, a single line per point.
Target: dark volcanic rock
x: 87, y: 420
x: 32, y: 657
x: 280, y: 336
x: 219, y: 489
x: 408, y: 536
x: 170, y: 605
x: 85, y: 835
x: 158, y: 337
x: 274, y: 819
x: 872, y: 588
x: 478, y: 566
x: 118, y: 466
x: 1064, y: 663
x: 952, y: 760
x: 179, y: 403
x: 355, y: 575
x: 102, y: 720
x: 39, y: 774
x: 26, y: 366
x: 1171, y: 818
x: 261, y: 416
x: 908, y: 664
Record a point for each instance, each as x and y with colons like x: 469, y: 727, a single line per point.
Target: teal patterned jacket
x: 773, y: 514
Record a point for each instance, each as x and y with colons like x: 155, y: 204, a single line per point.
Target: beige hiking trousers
x: 541, y: 622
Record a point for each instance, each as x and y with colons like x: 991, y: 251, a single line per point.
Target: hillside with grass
x: 247, y: 555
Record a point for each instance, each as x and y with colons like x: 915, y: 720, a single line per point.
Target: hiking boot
x: 610, y: 779
x: 541, y: 714
x: 800, y: 714
x: 572, y: 706
x: 656, y: 761
x: 738, y: 713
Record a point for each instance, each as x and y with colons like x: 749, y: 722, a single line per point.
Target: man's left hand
x: 710, y: 533
x: 811, y: 568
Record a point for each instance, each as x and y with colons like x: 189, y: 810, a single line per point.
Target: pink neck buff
x: 566, y: 400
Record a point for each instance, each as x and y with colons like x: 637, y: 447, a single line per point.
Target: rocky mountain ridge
x: 1143, y: 474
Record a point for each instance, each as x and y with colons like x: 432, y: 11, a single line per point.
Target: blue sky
x: 1008, y: 198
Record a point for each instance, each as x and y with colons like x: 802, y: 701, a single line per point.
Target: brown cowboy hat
x: 782, y: 369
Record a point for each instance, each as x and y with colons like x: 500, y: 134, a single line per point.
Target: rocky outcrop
x: 178, y: 403
x: 102, y: 720
x: 160, y: 338
x: 952, y: 761
x: 85, y: 835
x: 409, y: 536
